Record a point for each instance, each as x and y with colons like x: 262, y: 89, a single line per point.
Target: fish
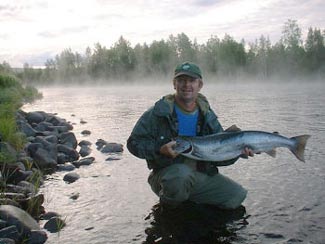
x: 229, y: 145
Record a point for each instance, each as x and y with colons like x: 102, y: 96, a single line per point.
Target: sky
x: 32, y: 31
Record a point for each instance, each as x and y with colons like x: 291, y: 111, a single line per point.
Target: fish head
x: 182, y: 145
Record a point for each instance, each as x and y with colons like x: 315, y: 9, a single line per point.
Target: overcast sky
x: 33, y: 31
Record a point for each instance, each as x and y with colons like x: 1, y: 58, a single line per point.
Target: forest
x: 290, y: 57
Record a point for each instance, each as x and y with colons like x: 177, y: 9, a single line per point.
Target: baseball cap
x: 189, y: 69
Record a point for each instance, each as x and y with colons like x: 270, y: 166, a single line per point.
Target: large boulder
x: 18, y: 217
x: 68, y: 139
x: 35, y: 117
x: 72, y: 154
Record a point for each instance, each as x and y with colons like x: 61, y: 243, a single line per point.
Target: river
x: 286, y: 198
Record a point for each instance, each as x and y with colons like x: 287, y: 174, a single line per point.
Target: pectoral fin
x: 272, y: 153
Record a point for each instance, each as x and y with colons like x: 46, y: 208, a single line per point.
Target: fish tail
x: 299, y: 149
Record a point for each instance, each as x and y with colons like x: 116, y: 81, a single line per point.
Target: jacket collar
x: 165, y: 106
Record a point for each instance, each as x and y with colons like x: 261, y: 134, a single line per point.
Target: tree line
x: 289, y: 57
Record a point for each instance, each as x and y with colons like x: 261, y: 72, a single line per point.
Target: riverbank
x: 51, y: 146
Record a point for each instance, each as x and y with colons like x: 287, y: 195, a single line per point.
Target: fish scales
x: 229, y: 145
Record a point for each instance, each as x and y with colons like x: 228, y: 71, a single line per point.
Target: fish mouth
x: 188, y: 150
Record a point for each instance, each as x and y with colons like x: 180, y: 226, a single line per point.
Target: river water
x: 286, y: 198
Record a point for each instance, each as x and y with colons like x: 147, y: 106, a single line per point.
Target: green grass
x: 12, y: 96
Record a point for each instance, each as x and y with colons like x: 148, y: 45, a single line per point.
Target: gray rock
x: 26, y: 128
x: 28, y: 187
x: 44, y: 159
x: 86, y: 132
x: 84, y: 143
x: 75, y: 195
x: 84, y: 151
x: 55, y: 224
x: 84, y: 161
x: 37, y: 237
x: 7, y: 241
x: 9, y: 151
x: 44, y: 126
x: 71, y: 153
x: 52, y: 139
x: 66, y: 167
x: 49, y: 215
x: 18, y: 217
x: 69, y: 139
x: 112, y: 148
x: 10, y: 232
x: 8, y: 201
x: 71, y: 177
x: 100, y: 143
x: 62, y: 158
x: 35, y: 117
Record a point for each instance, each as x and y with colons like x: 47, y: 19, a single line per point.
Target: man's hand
x: 168, y: 150
x: 247, y: 152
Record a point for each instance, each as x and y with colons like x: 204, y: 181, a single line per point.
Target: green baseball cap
x: 189, y: 69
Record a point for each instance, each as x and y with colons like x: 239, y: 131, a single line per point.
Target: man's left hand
x: 247, y: 152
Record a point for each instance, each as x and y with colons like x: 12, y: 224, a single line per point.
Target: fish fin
x: 299, y: 149
x: 272, y: 153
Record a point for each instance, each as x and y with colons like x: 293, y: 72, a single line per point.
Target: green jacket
x: 158, y: 125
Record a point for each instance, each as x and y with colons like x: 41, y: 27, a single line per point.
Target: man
x: 175, y: 178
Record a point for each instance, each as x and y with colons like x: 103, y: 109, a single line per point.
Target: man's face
x: 187, y: 88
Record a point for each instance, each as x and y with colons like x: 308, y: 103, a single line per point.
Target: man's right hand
x: 168, y: 150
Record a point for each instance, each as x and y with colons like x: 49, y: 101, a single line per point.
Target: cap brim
x: 188, y: 74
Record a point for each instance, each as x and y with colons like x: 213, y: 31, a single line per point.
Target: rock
x: 3, y: 224
x: 49, y: 215
x: 112, y: 148
x: 9, y: 151
x: 84, y: 151
x: 54, y: 120
x: 66, y: 167
x: 84, y: 143
x: 35, y: 117
x: 100, y: 143
x: 84, y: 161
x: 86, y: 132
x: 83, y: 121
x: 33, y: 204
x: 10, y: 232
x: 7, y: 241
x: 8, y: 201
x: 112, y: 159
x: 44, y: 126
x: 26, y: 128
x: 75, y: 195
x: 71, y: 177
x: 37, y: 237
x: 71, y: 154
x: 28, y: 187
x: 13, y: 196
x: 44, y: 159
x: 68, y: 139
x: 18, y: 217
x: 52, y: 139
x: 55, y: 224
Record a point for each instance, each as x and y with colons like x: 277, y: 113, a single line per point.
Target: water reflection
x: 193, y: 223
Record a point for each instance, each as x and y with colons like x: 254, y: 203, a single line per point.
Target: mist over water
x: 285, y: 196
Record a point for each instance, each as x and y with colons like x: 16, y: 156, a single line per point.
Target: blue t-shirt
x: 187, y: 122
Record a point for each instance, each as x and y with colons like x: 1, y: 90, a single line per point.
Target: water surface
x: 286, y: 198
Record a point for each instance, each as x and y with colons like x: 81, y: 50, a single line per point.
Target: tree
x: 291, y: 39
x: 315, y: 49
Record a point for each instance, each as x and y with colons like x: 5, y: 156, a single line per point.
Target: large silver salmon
x: 229, y: 145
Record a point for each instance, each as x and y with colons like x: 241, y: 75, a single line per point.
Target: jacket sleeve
x: 144, y: 142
